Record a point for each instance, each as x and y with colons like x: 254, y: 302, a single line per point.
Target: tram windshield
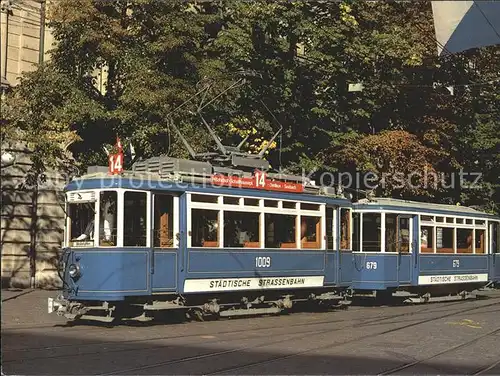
x: 81, y: 224
x: 81, y: 228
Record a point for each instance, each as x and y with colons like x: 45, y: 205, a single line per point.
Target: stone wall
x: 32, y: 223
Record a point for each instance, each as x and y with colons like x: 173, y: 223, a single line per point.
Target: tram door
x: 403, y: 233
x: 165, y: 242
x: 495, y: 251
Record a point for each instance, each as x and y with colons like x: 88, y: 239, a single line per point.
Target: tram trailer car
x: 421, y: 251
x: 135, y: 246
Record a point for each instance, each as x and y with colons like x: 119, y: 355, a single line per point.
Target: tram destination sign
x: 258, y: 181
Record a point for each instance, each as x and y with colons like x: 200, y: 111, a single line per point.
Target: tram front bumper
x: 57, y: 305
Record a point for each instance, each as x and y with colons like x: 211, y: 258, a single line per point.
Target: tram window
x: 289, y: 205
x: 468, y: 221
x: 329, y: 228
x: 439, y: 219
x: 427, y: 218
x: 444, y: 240
x: 313, y: 207
x: 480, y: 241
x: 107, y: 219
x: 270, y: 203
x: 241, y: 229
x: 345, y: 229
x: 356, y: 238
x: 495, y: 237
x: 251, y: 202
x: 204, y: 228
x: 81, y: 228
x: 404, y: 234
x: 460, y: 220
x: 310, y: 232
x: 280, y: 231
x: 464, y: 240
x: 134, y: 219
x: 391, y: 232
x: 371, y: 232
x: 480, y: 222
x: 450, y: 220
x: 204, y: 198
x: 228, y: 200
x: 426, y: 239
x: 163, y: 221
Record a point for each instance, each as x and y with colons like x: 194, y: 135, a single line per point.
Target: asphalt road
x: 439, y: 338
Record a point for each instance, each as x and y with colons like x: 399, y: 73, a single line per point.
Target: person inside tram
x: 107, y: 224
x: 88, y: 233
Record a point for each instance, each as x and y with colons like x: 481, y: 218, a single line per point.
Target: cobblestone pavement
x: 440, y: 338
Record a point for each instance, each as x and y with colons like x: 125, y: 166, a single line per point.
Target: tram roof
x: 148, y: 181
x: 385, y: 203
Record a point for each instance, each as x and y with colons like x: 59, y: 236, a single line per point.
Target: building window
x: 205, y: 228
x: 163, y: 221
x: 107, y: 219
x: 427, y: 239
x: 241, y: 229
x: 464, y: 240
x: 280, y: 231
x: 134, y: 219
x: 480, y: 241
x: 345, y: 229
x: 81, y: 228
x: 371, y: 232
x: 310, y: 232
x: 444, y: 240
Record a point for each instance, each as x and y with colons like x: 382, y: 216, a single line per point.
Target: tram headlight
x: 73, y: 271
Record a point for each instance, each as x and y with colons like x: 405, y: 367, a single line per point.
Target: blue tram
x: 422, y: 251
x: 167, y: 237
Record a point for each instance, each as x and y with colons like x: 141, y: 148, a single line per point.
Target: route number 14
x: 115, y: 163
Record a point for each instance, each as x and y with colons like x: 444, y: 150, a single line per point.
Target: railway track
x: 287, y: 356
x: 363, y: 321
x: 447, y: 351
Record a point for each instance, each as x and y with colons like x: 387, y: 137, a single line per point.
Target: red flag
x: 119, y: 145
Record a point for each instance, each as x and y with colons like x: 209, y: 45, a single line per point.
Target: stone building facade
x: 32, y: 218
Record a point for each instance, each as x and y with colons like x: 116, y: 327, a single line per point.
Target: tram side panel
x: 214, y: 270
x: 109, y: 274
x: 437, y: 269
x: 381, y: 271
